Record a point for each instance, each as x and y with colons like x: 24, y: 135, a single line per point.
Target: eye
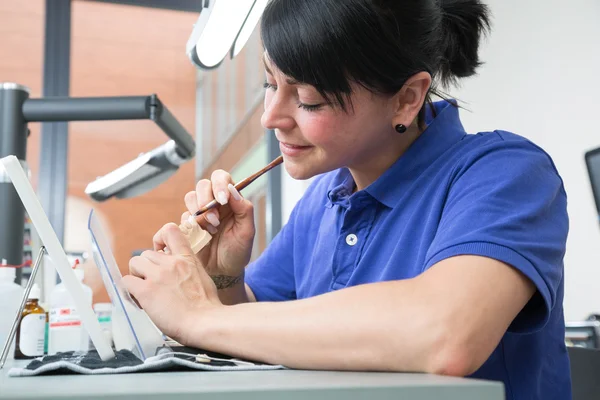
x: 310, y: 107
x: 267, y: 85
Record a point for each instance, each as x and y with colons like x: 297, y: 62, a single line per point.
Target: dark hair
x: 378, y: 44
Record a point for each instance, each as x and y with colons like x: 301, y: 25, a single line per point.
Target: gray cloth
x: 126, y: 362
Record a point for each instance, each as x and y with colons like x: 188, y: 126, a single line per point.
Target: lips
x: 294, y: 146
x: 293, y: 150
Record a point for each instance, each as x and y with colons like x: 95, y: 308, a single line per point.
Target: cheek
x: 322, y: 130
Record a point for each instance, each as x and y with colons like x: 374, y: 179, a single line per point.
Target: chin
x: 298, y: 173
x: 302, y: 172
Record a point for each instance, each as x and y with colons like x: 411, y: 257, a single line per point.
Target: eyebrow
x: 289, y: 81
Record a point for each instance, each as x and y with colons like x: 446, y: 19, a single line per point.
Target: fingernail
x: 211, y: 229
x: 192, y: 220
x: 234, y: 192
x: 222, y: 198
x: 212, y: 218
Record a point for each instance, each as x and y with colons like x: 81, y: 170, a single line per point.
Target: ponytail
x: 463, y: 23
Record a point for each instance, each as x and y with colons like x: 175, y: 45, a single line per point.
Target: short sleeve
x: 271, y: 276
x: 507, y: 202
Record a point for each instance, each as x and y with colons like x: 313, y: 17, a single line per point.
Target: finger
x: 142, y: 267
x: 189, y: 221
x: 198, y: 199
x: 171, y: 236
x: 202, y: 196
x: 185, y: 216
x: 155, y: 257
x: 157, y: 242
x: 220, y: 180
x: 241, y: 207
x: 243, y: 211
x: 135, y: 286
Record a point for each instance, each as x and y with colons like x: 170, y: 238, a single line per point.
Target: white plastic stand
x: 57, y: 254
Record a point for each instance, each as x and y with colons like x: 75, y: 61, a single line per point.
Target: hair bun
x: 463, y: 23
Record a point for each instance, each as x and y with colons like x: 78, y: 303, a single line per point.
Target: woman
x: 417, y: 248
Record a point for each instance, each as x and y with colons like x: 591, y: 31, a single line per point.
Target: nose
x: 276, y: 114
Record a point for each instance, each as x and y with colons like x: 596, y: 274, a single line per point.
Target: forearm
x: 232, y: 290
x: 340, y: 330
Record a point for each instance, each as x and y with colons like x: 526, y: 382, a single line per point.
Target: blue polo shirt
x: 493, y: 194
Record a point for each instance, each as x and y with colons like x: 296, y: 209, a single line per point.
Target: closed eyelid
x: 312, y: 96
x: 307, y: 103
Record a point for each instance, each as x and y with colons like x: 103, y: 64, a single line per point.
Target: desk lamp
x: 134, y: 178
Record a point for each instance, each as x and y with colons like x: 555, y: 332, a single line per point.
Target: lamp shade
x: 249, y: 26
x: 219, y: 25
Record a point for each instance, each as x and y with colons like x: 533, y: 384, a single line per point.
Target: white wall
x: 292, y: 190
x: 540, y: 80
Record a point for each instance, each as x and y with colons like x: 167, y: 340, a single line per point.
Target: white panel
x: 540, y: 81
x: 57, y: 254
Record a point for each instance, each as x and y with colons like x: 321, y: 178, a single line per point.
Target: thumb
x: 135, y: 287
x: 171, y: 237
x: 243, y: 213
x: 240, y: 207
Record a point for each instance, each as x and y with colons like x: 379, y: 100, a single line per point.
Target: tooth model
x: 197, y: 236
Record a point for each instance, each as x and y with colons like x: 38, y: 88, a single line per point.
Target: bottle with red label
x: 65, y: 330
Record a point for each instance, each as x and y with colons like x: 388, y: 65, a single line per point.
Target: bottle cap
x: 7, y: 273
x: 35, y: 292
x: 103, y: 307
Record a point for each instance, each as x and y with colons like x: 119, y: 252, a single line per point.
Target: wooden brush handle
x: 242, y: 184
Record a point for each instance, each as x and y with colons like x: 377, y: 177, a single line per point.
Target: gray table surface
x: 248, y: 385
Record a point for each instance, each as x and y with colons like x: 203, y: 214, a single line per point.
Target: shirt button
x: 351, y: 239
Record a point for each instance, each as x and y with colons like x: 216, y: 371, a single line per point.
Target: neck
x: 380, y: 158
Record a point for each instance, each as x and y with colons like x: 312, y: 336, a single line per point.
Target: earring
x: 400, y: 128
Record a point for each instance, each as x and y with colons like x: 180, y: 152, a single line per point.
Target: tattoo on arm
x: 226, y: 281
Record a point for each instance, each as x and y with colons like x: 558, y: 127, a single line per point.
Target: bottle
x: 31, y: 332
x: 65, y: 330
x: 10, y: 300
x: 104, y: 314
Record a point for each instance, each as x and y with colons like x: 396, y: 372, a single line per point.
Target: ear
x: 409, y: 100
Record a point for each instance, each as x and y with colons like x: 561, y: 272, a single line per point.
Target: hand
x: 231, y: 224
x: 173, y: 289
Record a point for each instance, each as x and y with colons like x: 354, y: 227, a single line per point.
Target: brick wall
x: 115, y: 50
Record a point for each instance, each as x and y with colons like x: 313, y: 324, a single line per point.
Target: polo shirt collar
x: 442, y: 132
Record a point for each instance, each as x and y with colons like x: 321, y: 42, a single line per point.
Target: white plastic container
x: 104, y: 313
x: 65, y: 330
x: 10, y: 299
